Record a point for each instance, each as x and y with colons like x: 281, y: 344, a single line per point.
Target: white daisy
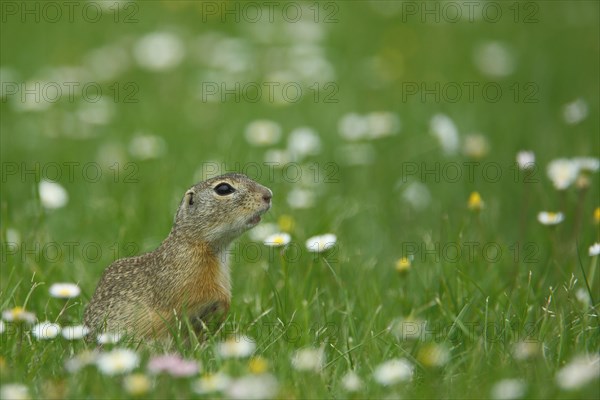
x: 393, y: 371
x: 562, y: 172
x: 159, y: 51
x: 309, y: 359
x: 300, y: 198
x: 476, y: 146
x: 117, y: 361
x: 508, y: 389
x: 14, y: 391
x: 352, y: 382
x: 81, y: 360
x: 211, y: 383
x: 75, y: 332
x: 52, y: 195
x: 443, y: 128
x: 45, y: 330
x: 109, y: 338
x: 579, y: 372
x: 1, y: 326
x: 353, y: 126
x: 594, y: 249
x: 64, y: 290
x: 303, y: 142
x: 550, y: 218
x: 263, y: 386
x: 587, y: 164
x: 494, y: 59
x: 236, y: 347
x: 277, y: 239
x: 575, y: 111
x: 526, y: 159
x: 263, y: 132
x: 146, y: 147
x: 381, y: 124
x: 18, y: 314
x: 318, y: 244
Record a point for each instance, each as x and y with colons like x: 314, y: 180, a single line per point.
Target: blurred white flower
x: 494, y: 59
x: 159, y: 51
x: 263, y: 132
x: 356, y: 154
x: 583, y: 296
x: 52, y: 194
x: 594, y: 249
x: 236, y: 347
x: 393, y: 371
x: 277, y: 157
x: 587, y: 164
x: 146, y: 147
x: 263, y: 231
x: 562, y: 172
x: 309, y: 359
x: 579, y: 372
x: 14, y: 391
x: 417, y: 195
x: 1, y: 326
x: 525, y: 350
x: 443, y: 128
x: 476, y: 146
x: 408, y: 329
x: 263, y: 386
x: 320, y: 243
x: 64, y: 290
x: 575, y: 111
x: 301, y: 198
x: 211, y: 383
x: 137, y: 384
x: 108, y: 62
x: 526, y: 159
x: 117, y: 361
x: 508, y: 389
x: 303, y: 142
x: 550, y: 218
x: 109, y: 338
x: 81, y: 360
x: 41, y: 94
x: 13, y: 236
x: 434, y: 355
x: 353, y: 126
x: 382, y: 123
x: 352, y: 382
x: 97, y: 113
x: 277, y: 239
x: 18, y: 314
x: 75, y: 332
x: 45, y: 330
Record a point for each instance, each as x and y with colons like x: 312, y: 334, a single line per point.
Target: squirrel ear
x: 189, y: 198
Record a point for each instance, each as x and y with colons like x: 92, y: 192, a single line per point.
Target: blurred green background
x: 155, y: 63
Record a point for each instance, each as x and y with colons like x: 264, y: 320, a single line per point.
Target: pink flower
x: 173, y: 365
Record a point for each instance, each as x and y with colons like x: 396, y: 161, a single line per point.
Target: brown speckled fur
x: 188, y: 273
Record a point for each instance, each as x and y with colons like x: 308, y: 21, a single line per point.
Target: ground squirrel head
x: 219, y: 209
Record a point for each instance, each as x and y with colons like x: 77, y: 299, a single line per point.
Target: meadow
x: 447, y: 150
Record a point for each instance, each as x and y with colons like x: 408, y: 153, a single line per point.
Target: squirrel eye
x: 223, y: 189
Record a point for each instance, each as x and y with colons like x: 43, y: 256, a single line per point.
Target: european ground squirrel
x: 188, y: 274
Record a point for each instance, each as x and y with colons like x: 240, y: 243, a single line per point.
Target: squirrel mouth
x: 254, y: 220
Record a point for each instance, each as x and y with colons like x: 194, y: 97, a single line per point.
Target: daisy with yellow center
x: 18, y: 314
x: 550, y: 218
x: 137, y: 384
x: 475, y: 203
x: 277, y: 240
x: 64, y: 290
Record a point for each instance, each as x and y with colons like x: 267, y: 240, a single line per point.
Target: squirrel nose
x: 267, y: 196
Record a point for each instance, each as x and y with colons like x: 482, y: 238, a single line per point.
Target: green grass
x: 477, y: 307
